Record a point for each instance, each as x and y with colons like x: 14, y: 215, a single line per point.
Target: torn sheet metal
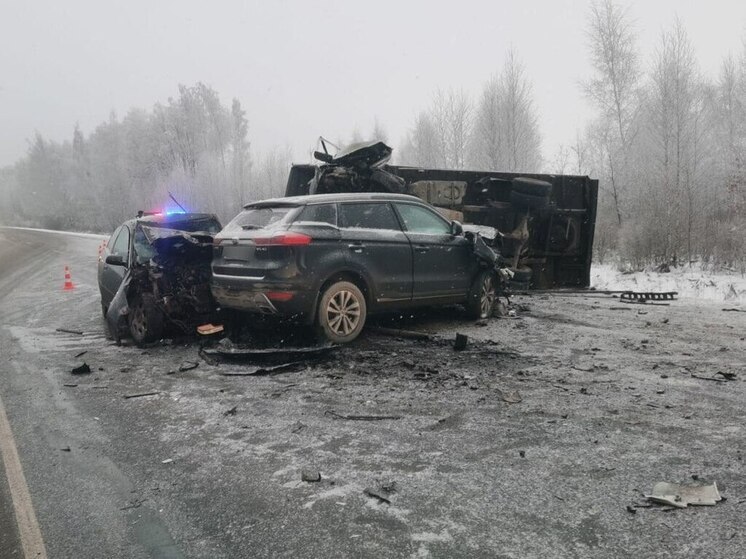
x: 680, y: 496
x: 226, y: 348
x: 116, y: 315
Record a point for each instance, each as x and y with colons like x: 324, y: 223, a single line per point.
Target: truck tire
x: 532, y: 187
x: 342, y: 312
x: 145, y: 320
x: 528, y: 201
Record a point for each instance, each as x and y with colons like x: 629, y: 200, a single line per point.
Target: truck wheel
x: 528, y: 201
x: 145, y: 319
x: 342, y: 312
x: 532, y: 187
x: 481, y: 296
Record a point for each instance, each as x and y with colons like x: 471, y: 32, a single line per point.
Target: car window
x: 110, y: 242
x: 121, y: 245
x: 260, y: 218
x: 144, y: 251
x: 319, y: 213
x: 418, y: 219
x: 368, y: 216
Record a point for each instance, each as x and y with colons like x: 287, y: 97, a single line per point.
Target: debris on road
x: 680, y: 496
x: 734, y: 310
x: 83, y: 369
x: 311, y: 476
x: 648, y: 296
x: 724, y: 377
x: 461, y: 342
x: 377, y: 494
x: 511, y: 397
x: 65, y: 449
x: 188, y: 366
x: 70, y: 385
x: 81, y: 354
x: 140, y: 395
x: 262, y: 371
x: 167, y: 461
x: 399, y: 333
x: 231, y: 411
x: 336, y: 415
x: 209, y: 329
x: 226, y: 348
x: 68, y: 331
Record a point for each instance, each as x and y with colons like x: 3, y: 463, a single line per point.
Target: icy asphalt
x: 608, y: 408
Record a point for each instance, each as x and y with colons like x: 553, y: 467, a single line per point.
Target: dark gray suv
x: 331, y: 259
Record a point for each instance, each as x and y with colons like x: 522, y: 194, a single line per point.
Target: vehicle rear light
x: 280, y: 295
x: 284, y: 239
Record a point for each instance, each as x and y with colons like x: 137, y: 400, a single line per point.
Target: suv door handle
x: 421, y: 248
x: 356, y: 247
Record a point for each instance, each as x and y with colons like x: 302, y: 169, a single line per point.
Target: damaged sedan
x: 154, y: 275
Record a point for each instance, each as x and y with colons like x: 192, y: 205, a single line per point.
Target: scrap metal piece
x: 680, y: 496
x: 226, y: 348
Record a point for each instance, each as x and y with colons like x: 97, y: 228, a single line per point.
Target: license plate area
x: 242, y: 253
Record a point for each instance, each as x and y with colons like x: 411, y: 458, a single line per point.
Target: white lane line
x: 28, y: 527
x: 69, y: 233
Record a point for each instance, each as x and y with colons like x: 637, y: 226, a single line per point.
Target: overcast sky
x: 303, y: 69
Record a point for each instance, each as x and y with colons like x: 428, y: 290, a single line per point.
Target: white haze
x: 302, y: 69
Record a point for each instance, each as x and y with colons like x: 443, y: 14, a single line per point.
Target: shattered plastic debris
x: 83, y: 369
x: 311, y: 476
x: 680, y: 496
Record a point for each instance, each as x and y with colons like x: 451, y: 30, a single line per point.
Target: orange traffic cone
x: 68, y: 281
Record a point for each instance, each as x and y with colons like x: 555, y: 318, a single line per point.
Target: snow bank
x: 689, y: 281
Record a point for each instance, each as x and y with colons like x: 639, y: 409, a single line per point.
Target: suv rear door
x: 377, y: 246
x: 444, y: 264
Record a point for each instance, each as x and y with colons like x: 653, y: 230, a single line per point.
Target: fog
x: 303, y: 69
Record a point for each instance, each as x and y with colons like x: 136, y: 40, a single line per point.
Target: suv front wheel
x: 342, y: 312
x: 482, y: 296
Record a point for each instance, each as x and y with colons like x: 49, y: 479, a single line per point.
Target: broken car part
x: 680, y: 496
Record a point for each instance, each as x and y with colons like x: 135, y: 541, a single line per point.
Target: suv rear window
x: 368, y: 216
x: 260, y: 218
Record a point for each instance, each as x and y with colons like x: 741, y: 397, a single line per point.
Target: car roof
x: 329, y: 198
x: 161, y: 219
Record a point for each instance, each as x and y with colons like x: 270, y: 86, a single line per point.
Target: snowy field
x: 690, y: 282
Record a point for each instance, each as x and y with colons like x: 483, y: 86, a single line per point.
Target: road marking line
x: 28, y: 527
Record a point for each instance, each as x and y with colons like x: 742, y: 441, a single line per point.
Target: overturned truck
x: 542, y: 224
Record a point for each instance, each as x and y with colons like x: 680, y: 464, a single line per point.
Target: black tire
x: 342, y: 312
x: 532, y: 187
x: 145, y: 320
x: 528, y: 201
x: 522, y: 274
x: 104, y: 309
x: 482, y: 296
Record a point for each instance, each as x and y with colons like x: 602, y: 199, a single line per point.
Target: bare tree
x: 506, y: 132
x: 613, y: 88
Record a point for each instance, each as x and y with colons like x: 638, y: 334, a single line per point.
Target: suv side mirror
x: 115, y: 260
x: 456, y: 228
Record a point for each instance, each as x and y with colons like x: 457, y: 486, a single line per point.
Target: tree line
x: 193, y: 146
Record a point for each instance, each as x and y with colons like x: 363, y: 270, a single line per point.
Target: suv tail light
x: 284, y: 239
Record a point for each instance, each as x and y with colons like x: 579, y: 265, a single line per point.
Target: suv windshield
x: 260, y: 218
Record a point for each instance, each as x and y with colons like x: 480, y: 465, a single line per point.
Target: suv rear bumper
x: 235, y: 292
